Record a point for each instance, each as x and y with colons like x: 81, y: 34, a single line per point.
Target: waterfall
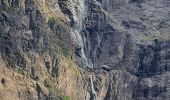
x: 87, y: 96
x: 78, y: 31
x: 80, y: 27
x: 80, y: 41
x: 94, y: 94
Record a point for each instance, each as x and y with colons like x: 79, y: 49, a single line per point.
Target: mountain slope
x: 84, y: 49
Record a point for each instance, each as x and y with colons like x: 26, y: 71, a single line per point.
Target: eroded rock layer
x: 84, y: 49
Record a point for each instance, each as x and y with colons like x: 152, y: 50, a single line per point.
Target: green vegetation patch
x: 53, y: 20
x: 66, y: 98
x: 54, y: 91
x: 62, y: 36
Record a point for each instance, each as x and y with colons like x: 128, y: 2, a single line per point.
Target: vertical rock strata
x: 84, y: 50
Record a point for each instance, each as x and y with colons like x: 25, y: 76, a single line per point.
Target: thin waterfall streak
x: 78, y: 31
x: 92, y: 88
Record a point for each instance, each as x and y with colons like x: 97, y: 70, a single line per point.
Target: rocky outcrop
x: 123, y: 35
x: 84, y: 49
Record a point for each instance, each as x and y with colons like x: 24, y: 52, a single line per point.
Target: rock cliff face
x: 84, y: 50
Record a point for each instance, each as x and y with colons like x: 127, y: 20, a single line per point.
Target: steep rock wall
x: 89, y: 50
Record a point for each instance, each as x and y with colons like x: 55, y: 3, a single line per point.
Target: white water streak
x: 78, y: 30
x: 92, y: 88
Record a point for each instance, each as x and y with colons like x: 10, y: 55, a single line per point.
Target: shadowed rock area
x: 84, y: 49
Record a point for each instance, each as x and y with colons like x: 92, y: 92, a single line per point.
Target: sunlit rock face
x: 85, y: 49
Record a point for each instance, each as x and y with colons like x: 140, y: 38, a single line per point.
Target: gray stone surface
x: 122, y: 47
x: 130, y: 36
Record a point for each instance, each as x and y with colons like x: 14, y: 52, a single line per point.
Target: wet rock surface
x: 85, y: 49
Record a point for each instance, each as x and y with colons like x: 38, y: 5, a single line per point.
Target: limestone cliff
x: 84, y: 50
